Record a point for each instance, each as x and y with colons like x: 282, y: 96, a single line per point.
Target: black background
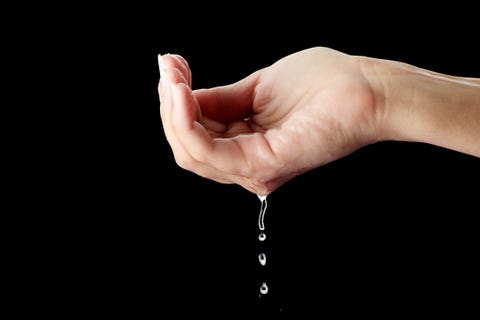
x: 388, y: 230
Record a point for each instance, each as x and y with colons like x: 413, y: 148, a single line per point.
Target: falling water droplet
x: 262, y: 258
x: 263, y: 288
x: 263, y: 208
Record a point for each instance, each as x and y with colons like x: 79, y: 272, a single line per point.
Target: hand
x: 305, y: 110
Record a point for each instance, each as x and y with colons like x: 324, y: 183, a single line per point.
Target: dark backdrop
x: 390, y: 229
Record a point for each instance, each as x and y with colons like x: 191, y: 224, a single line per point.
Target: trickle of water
x: 263, y: 208
x: 262, y: 258
x: 263, y: 288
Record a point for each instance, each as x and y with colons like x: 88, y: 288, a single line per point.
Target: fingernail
x: 160, y: 63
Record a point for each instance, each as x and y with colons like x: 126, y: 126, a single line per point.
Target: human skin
x: 307, y: 109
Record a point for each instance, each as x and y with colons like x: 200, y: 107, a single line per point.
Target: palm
x: 313, y: 110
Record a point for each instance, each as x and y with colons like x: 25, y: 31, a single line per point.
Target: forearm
x: 415, y: 104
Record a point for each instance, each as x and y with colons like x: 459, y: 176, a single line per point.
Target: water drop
x: 264, y: 288
x: 263, y: 208
x: 262, y: 258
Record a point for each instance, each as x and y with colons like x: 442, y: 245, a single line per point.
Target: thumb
x: 228, y: 103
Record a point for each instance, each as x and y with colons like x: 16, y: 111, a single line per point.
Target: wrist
x: 388, y: 94
x: 414, y: 104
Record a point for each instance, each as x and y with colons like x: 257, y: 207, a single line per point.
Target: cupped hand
x: 303, y: 111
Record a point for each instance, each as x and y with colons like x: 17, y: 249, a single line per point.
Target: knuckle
x: 186, y: 163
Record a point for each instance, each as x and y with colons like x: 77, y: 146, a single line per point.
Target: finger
x: 169, y: 73
x: 170, y: 76
x: 174, y: 75
x: 183, y: 64
x: 215, y: 127
x: 182, y: 157
x: 160, y: 81
x: 243, y: 155
x: 186, y: 161
x: 184, y: 117
x: 171, y: 61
